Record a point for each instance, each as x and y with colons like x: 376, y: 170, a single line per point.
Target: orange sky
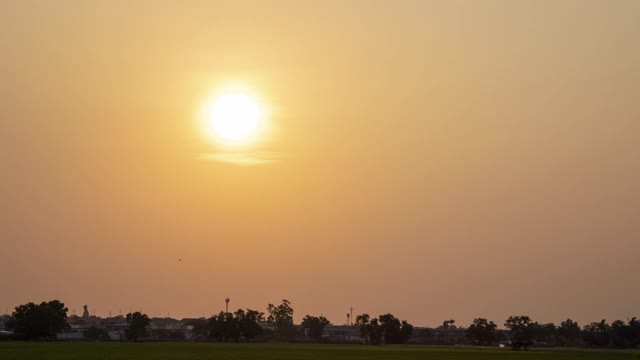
x: 434, y: 159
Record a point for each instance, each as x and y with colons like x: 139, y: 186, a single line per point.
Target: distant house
x: 3, y: 321
x: 170, y: 329
x: 114, y: 326
x: 116, y: 335
x: 4, y: 332
x: 342, y: 334
x: 269, y: 326
x: 439, y: 336
x: 74, y: 334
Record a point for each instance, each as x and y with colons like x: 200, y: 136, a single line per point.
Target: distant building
x: 3, y: 321
x: 342, y: 334
x: 76, y: 333
x: 269, y: 326
x: 114, y: 326
x: 439, y: 336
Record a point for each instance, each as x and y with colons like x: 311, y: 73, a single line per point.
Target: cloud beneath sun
x: 244, y: 158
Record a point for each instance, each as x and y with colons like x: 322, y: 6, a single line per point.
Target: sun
x: 234, y: 117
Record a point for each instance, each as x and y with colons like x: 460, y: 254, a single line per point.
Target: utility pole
x: 351, y: 315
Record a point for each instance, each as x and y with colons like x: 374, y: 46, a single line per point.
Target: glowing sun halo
x: 234, y: 117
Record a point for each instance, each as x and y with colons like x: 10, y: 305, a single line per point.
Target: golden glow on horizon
x: 234, y: 117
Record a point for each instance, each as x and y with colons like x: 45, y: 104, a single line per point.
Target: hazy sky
x: 433, y: 159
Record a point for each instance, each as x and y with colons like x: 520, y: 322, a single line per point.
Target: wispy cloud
x: 245, y: 158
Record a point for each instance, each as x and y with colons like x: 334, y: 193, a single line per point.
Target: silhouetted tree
x: 224, y: 326
x: 520, y: 331
x: 137, y: 328
x: 248, y: 322
x: 634, y: 332
x: 394, y: 331
x: 447, y: 325
x: 375, y: 334
x: 596, y: 333
x: 385, y: 328
x: 370, y: 329
x: 315, y: 325
x: 38, y: 321
x: 543, y: 333
x: 482, y: 332
x: 448, y: 334
x: 230, y: 326
x: 362, y: 321
x: 406, y: 331
x: 568, y: 334
x: 619, y: 334
x: 624, y: 334
x: 282, y: 317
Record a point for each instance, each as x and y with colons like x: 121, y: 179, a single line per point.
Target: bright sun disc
x: 234, y: 117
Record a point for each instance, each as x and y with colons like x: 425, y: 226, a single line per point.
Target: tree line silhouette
x: 523, y: 332
x: 45, y: 320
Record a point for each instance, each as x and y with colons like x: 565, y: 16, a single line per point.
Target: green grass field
x: 197, y: 351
